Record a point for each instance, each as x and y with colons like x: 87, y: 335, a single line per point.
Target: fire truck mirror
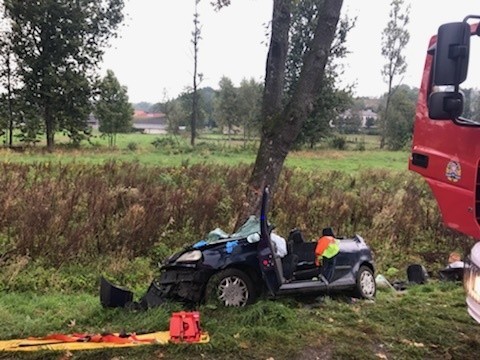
x: 445, y: 105
x: 451, y: 53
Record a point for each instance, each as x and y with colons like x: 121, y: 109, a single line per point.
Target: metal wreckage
x: 236, y: 269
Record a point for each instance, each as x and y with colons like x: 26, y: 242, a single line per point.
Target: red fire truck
x: 446, y: 146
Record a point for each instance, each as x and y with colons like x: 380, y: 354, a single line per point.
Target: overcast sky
x: 154, y: 56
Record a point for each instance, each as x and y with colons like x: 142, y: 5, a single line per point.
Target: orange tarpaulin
x: 61, y: 342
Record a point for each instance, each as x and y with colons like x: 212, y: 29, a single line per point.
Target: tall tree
x: 249, y: 106
x: 58, y: 45
x: 186, y: 100
x: 8, y: 74
x: 195, y: 40
x: 207, y: 106
x: 330, y: 104
x: 227, y: 105
x: 399, y: 129
x: 283, y: 116
x: 395, y: 38
x: 331, y: 99
x: 175, y: 114
x: 112, y: 109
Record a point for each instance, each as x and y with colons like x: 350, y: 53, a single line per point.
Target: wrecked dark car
x: 236, y: 269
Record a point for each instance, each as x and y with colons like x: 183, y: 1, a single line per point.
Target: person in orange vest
x: 325, y: 254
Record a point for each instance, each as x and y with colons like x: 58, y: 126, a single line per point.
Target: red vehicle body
x: 446, y: 147
x: 447, y: 155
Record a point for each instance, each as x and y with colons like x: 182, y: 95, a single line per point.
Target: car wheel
x: 231, y: 287
x: 366, y: 286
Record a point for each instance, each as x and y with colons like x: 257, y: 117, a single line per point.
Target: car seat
x: 305, y: 250
x: 296, y: 236
x: 289, y: 264
x: 305, y: 255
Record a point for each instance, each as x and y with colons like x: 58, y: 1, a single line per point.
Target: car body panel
x: 353, y: 253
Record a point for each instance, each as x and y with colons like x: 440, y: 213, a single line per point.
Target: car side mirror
x: 445, y: 105
x: 451, y: 54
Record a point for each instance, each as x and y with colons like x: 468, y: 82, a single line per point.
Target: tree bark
x: 49, y: 126
x: 10, y: 100
x: 385, y: 116
x: 196, y: 38
x: 282, y: 124
x: 276, y: 59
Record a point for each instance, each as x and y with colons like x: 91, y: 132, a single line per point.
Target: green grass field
x: 315, y: 160
x: 211, y: 149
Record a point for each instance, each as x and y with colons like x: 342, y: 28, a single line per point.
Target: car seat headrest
x: 328, y: 232
x: 296, y: 236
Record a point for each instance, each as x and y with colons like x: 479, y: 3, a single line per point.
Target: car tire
x: 365, y: 286
x: 231, y: 287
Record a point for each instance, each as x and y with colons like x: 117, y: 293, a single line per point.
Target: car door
x: 270, y: 266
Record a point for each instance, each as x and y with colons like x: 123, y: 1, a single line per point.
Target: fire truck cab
x: 446, y: 146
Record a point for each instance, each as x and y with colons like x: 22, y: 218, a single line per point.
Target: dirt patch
x: 380, y: 351
x: 317, y: 352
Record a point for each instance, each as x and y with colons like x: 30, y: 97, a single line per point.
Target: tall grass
x: 65, y: 212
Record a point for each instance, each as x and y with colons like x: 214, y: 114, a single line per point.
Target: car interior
x: 299, y: 264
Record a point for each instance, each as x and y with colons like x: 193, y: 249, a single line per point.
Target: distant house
x: 368, y: 114
x: 150, y: 123
x: 92, y: 121
x: 140, y: 114
x: 367, y: 118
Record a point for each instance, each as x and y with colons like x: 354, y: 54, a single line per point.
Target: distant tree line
x: 50, y: 51
x: 236, y: 110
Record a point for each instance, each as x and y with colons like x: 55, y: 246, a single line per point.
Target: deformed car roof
x: 251, y: 226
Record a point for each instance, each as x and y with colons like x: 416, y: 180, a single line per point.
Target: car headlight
x: 190, y: 256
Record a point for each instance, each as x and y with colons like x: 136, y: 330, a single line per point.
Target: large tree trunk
x: 276, y: 60
x: 282, y: 124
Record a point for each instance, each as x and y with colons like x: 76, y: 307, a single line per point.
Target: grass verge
x: 424, y: 322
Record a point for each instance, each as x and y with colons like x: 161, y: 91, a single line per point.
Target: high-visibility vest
x: 327, y: 246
